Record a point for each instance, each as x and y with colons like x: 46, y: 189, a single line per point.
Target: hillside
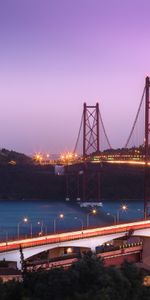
x: 21, y: 178
x: 29, y: 181
x: 12, y: 157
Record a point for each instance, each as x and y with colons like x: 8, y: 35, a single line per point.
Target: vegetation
x: 29, y: 181
x: 13, y: 157
x: 87, y: 279
x: 22, y: 178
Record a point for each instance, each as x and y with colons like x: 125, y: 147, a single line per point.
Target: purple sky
x: 57, y: 54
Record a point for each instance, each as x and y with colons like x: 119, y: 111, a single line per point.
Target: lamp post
x: 61, y: 216
x: 41, y: 228
x: 114, y: 217
x: 25, y: 220
x: 80, y: 220
x: 122, y: 208
x: 141, y: 211
x: 93, y: 212
x: 6, y: 237
x: 31, y: 232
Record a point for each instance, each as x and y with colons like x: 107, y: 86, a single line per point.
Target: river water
x: 44, y: 215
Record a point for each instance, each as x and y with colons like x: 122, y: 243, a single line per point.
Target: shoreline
x: 69, y: 202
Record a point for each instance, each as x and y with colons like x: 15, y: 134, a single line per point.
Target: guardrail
x: 75, y: 235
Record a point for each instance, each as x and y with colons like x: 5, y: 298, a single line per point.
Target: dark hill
x: 21, y: 178
x: 31, y: 181
x: 12, y: 157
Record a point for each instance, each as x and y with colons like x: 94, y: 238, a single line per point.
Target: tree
x: 23, y: 263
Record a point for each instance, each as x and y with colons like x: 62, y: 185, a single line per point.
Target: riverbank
x: 25, y: 182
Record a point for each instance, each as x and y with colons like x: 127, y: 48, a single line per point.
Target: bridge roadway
x: 90, y: 238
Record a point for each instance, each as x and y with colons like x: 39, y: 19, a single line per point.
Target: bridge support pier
x: 93, y: 249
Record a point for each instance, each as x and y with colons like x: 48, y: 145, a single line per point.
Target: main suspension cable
x: 133, y: 126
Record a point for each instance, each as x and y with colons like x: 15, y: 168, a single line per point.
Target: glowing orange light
x: 128, y: 162
x: 69, y: 250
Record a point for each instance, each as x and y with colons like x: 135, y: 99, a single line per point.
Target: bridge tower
x: 91, y: 144
x: 147, y: 146
x: 84, y: 180
x: 90, y: 129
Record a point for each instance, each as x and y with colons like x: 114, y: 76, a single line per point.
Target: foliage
x: 87, y: 279
x: 23, y: 263
x: 29, y: 181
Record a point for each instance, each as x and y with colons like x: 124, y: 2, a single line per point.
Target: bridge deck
x: 74, y: 235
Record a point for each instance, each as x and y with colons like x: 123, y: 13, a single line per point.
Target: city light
x: 38, y: 157
x: 124, y: 207
x: 68, y: 157
x: 42, y: 158
x: 92, y: 212
x: 130, y: 162
x: 69, y: 250
x: 61, y: 216
x: 25, y: 220
x: 71, y: 157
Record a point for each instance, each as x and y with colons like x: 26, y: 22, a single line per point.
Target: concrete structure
x: 9, y: 271
x: 8, y: 274
x: 89, y: 238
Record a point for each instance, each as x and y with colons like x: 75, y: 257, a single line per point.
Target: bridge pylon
x: 91, y: 139
x: 147, y: 146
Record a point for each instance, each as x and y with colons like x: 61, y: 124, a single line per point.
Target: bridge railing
x: 76, y: 235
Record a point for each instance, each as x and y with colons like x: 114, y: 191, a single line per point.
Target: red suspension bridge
x: 97, y: 147
x: 94, y: 136
x: 95, y: 141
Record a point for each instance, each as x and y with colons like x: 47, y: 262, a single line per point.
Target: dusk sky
x: 57, y: 54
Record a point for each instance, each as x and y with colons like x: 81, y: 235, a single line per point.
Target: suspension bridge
x: 96, y: 143
x: 96, y: 149
x: 84, y: 173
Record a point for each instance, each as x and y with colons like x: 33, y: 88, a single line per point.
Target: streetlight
x: 61, y: 216
x: 80, y: 220
x: 6, y: 236
x: 141, y: 211
x: 123, y: 207
x: 31, y: 230
x: 93, y: 212
x: 41, y: 229
x: 114, y: 217
x: 25, y: 220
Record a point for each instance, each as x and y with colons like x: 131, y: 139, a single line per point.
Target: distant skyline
x: 57, y: 54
